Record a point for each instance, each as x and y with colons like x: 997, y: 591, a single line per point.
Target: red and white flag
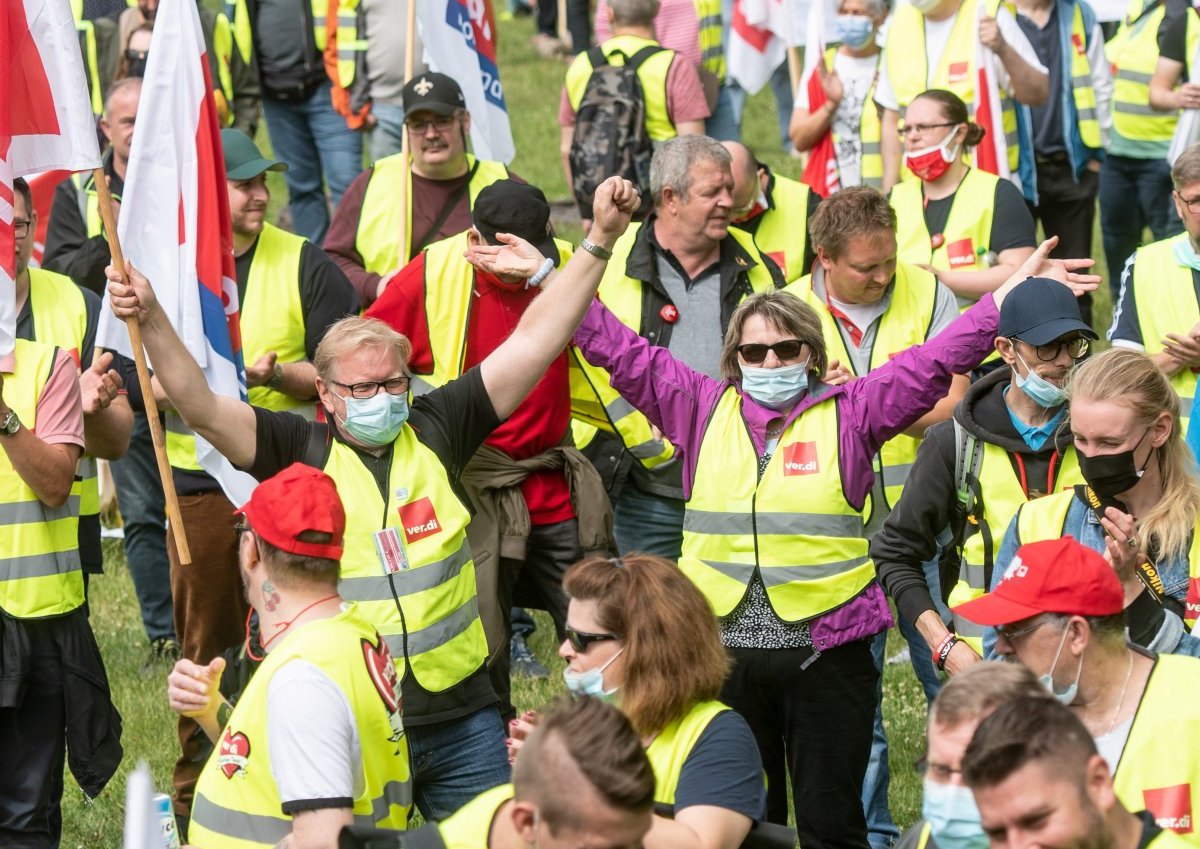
x: 992, y: 153
x: 821, y: 172
x: 759, y: 35
x: 46, y: 120
x: 175, y: 225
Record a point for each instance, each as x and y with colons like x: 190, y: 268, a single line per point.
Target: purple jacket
x: 872, y: 409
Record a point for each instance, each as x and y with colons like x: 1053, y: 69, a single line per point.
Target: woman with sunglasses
x: 970, y: 228
x: 1140, y: 507
x: 777, y: 466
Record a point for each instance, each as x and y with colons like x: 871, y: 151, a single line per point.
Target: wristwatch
x: 276, y: 379
x: 595, y: 250
x: 10, y: 424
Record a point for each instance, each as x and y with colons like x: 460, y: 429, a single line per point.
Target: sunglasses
x: 754, y: 353
x: 580, y: 640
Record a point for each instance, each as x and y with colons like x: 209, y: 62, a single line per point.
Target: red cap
x: 298, y: 499
x: 1052, y: 576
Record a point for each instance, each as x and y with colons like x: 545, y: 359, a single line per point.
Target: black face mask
x: 136, y: 63
x: 1111, y: 474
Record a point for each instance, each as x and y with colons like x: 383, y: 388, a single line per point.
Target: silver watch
x: 10, y: 424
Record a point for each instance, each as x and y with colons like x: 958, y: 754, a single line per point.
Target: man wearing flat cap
x: 526, y: 530
x: 1005, y: 445
x: 316, y: 740
x: 372, y: 236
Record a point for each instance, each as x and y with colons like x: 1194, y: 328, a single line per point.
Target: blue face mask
x: 1041, y: 391
x: 855, y: 31
x: 776, y: 388
x: 590, y: 682
x: 1068, y: 695
x: 375, y: 421
x: 952, y: 816
x: 1185, y: 254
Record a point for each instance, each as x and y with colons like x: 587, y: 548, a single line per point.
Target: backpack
x: 610, y: 129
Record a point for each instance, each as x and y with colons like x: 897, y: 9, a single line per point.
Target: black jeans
x: 815, y: 725
x: 579, y: 22
x: 1067, y: 209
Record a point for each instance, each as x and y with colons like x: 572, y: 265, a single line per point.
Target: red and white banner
x: 46, y: 120
x: 821, y: 172
x: 759, y: 35
x: 175, y: 225
x: 992, y: 153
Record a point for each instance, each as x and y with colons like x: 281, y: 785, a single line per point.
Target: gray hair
x: 671, y: 166
x: 633, y: 13
x: 122, y: 85
x: 1186, y: 170
x: 877, y: 8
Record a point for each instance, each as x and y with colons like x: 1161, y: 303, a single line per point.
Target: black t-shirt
x: 1172, y: 32
x: 1047, y: 118
x: 452, y: 422
x: 1012, y: 225
x: 724, y: 770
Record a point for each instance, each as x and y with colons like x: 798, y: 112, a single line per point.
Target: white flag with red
x: 46, y: 118
x: 759, y: 35
x: 175, y: 225
x: 821, y: 172
x: 992, y: 153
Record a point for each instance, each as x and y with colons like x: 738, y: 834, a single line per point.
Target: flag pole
x: 410, y: 45
x: 139, y: 358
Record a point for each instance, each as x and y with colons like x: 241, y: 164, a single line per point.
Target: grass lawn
x: 532, y: 87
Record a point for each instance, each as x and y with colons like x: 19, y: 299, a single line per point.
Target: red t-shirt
x: 540, y: 421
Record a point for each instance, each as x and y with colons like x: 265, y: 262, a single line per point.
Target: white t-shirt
x: 1112, y: 744
x: 937, y: 34
x: 857, y: 73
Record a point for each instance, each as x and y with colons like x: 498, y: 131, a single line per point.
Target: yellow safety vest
x: 870, y: 130
x: 908, y: 71
x: 793, y: 526
x: 1166, y: 303
x: 243, y: 38
x: 652, y: 74
x: 449, y: 293
x: 968, y: 228
x: 272, y: 320
x: 1081, y: 84
x: 906, y: 323
x: 672, y: 746
x: 223, y: 43
x: 470, y: 825
x: 237, y: 804
x: 1133, y: 52
x: 40, y: 573
x: 60, y: 318
x: 712, y: 51
x: 1159, y: 770
x: 86, y: 32
x: 1002, y: 498
x: 436, y: 630
x: 379, y: 240
x: 783, y: 229
x: 89, y: 202
x: 349, y: 45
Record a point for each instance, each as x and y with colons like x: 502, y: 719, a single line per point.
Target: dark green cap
x: 243, y: 160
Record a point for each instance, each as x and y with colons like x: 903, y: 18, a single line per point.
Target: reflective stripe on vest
x: 87, y: 47
x: 1133, y: 52
x: 237, y: 802
x: 470, y: 825
x: 672, y: 746
x: 1159, y: 768
x: 1081, y: 82
x: 905, y: 323
x: 223, y: 50
x: 793, y: 527
x: 236, y: 12
x: 40, y: 572
x: 712, y: 51
x: 349, y: 45
x: 781, y: 232
x: 652, y: 74
x: 379, y: 241
x: 426, y: 520
x: 869, y: 130
x: 1166, y: 303
x: 89, y: 203
x: 449, y: 286
x: 1002, y: 498
x: 909, y: 74
x: 60, y: 319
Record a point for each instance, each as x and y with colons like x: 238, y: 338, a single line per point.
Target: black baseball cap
x: 433, y: 92
x: 1040, y: 310
x: 243, y: 159
x: 507, y: 206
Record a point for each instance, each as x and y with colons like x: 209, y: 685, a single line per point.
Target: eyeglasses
x: 20, y: 228
x: 940, y: 773
x: 242, y: 526
x: 370, y: 388
x: 1077, y: 348
x: 442, y: 124
x: 754, y: 353
x: 1192, y: 204
x: 1013, y: 636
x: 921, y: 129
x: 580, y: 640
x: 134, y: 55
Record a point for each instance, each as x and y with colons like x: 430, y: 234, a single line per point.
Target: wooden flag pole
x: 174, y: 518
x: 410, y: 37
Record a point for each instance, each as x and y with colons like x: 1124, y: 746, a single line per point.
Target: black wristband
x: 1144, y: 618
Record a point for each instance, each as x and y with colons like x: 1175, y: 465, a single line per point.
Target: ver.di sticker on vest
x: 800, y: 458
x: 234, y: 753
x: 960, y: 253
x: 1171, y: 806
x: 956, y: 72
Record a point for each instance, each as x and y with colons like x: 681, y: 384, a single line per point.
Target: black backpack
x: 610, y: 129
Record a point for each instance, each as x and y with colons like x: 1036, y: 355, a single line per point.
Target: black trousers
x: 1067, y: 209
x: 814, y: 724
x: 579, y: 21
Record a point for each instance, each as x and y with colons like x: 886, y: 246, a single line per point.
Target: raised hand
x: 98, y: 384
x: 130, y: 294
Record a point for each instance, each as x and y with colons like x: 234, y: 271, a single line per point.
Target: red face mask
x: 932, y: 162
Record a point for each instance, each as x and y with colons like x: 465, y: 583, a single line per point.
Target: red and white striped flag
x: 821, y: 172
x: 175, y: 225
x: 46, y: 118
x: 992, y: 153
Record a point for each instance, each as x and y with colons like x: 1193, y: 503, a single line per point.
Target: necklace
x: 279, y: 629
x: 1117, y: 711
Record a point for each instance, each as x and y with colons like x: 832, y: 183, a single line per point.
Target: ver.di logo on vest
x: 419, y: 520
x: 1171, y: 806
x: 234, y: 753
x: 800, y: 458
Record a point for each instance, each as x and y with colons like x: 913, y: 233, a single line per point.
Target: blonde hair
x: 1131, y: 379
x: 786, y: 313
x: 355, y: 332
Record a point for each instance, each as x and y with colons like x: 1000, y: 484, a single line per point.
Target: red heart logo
x: 383, y: 673
x: 234, y: 752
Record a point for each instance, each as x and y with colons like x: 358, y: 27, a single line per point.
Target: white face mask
x: 776, y: 388
x: 925, y: 6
